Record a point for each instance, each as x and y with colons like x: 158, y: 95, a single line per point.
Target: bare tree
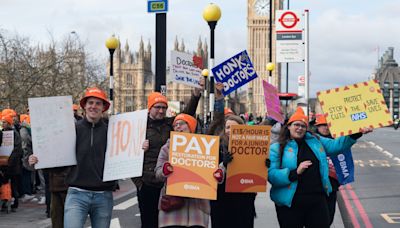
x: 59, y: 68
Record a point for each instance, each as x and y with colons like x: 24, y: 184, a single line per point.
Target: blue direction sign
x: 157, y: 6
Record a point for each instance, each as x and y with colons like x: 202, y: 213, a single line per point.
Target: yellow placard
x: 350, y: 108
x: 249, y: 146
x: 195, y: 159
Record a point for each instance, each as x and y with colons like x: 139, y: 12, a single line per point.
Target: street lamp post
x: 112, y: 43
x: 211, y: 14
x: 205, y: 75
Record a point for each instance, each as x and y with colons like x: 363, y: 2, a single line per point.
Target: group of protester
x: 297, y: 167
x: 18, y: 180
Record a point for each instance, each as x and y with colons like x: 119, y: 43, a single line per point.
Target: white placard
x: 184, y: 70
x: 53, y: 131
x: 7, y: 144
x: 125, y: 137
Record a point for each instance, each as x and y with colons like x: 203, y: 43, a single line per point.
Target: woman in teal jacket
x: 299, y: 173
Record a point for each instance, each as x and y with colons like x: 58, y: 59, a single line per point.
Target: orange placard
x: 249, y: 146
x: 195, y: 159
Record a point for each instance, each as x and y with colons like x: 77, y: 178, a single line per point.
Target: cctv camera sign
x: 186, y: 69
x: 235, y: 72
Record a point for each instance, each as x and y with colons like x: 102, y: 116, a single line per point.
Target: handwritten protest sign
x: 125, y: 137
x: 7, y: 144
x: 186, y: 69
x: 195, y: 159
x: 249, y: 146
x: 53, y: 131
x: 272, y: 102
x: 350, y: 108
x: 235, y: 72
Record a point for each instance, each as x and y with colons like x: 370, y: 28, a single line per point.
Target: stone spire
x: 182, y: 48
x: 176, y: 44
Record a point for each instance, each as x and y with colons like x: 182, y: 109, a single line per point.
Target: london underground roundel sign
x: 288, y: 19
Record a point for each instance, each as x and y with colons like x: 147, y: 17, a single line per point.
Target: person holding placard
x: 157, y: 133
x: 230, y: 209
x: 13, y: 167
x: 299, y: 173
x: 87, y: 193
x: 192, y: 212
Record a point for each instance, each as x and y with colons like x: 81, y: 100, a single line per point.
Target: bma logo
x: 359, y: 116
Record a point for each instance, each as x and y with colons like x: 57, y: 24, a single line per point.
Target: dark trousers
x: 310, y: 211
x: 148, y: 198
x: 57, y: 209
x: 15, y: 183
x: 332, y: 206
x: 26, y: 185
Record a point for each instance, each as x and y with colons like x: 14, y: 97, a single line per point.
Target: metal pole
x: 212, y: 25
x: 205, y: 102
x: 306, y: 58
x: 161, y: 52
x: 112, y: 80
x: 287, y: 69
x: 271, y: 2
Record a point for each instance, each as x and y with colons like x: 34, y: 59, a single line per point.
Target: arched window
x: 129, y: 80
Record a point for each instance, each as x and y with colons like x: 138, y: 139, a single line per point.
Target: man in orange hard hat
x: 157, y: 133
x: 87, y: 194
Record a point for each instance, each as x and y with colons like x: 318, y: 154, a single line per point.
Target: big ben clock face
x: 261, y: 7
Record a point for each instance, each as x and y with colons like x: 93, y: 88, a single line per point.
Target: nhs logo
x: 358, y: 116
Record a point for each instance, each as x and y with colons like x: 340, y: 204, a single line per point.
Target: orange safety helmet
x: 75, y: 107
x: 97, y: 93
x: 320, y: 120
x: 25, y: 118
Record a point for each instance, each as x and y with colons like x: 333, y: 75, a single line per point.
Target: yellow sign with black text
x: 350, y: 108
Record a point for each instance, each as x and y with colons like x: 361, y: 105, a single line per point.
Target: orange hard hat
x: 228, y: 111
x: 9, y: 111
x: 25, y: 118
x: 298, y: 116
x: 97, y: 93
x: 320, y: 120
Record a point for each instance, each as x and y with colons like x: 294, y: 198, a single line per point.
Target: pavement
x: 32, y: 215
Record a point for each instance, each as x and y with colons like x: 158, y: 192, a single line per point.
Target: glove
x: 218, y: 175
x: 227, y: 158
x: 167, y: 169
x: 267, y: 162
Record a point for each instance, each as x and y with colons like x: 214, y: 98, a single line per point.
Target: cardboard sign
x: 272, y: 102
x: 195, y: 159
x: 7, y: 145
x: 185, y: 69
x: 53, y: 131
x: 250, y: 148
x: 125, y: 137
x: 235, y: 72
x: 344, y: 166
x: 350, y: 108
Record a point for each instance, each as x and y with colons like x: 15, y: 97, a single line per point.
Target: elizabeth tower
x: 258, y: 16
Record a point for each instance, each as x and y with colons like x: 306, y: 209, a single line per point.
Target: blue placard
x: 157, y: 6
x: 235, y: 72
x: 344, y: 166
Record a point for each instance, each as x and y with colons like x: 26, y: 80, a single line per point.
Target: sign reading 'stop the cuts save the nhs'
x: 235, y: 72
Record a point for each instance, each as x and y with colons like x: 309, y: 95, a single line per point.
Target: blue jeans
x: 80, y: 204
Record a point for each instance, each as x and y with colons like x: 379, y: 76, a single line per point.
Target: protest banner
x: 249, y: 146
x: 272, y: 102
x: 125, y: 137
x: 186, y: 69
x: 174, y: 108
x: 235, y: 72
x: 53, y: 131
x: 7, y: 144
x: 194, y: 158
x: 350, y: 108
x: 344, y: 166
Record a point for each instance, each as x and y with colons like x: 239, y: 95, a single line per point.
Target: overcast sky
x: 344, y: 35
